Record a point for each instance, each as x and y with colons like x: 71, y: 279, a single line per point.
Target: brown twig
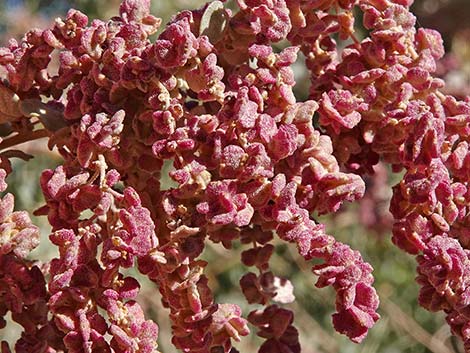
x: 22, y: 138
x: 412, y: 328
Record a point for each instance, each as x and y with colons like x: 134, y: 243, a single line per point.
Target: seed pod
x: 214, y: 21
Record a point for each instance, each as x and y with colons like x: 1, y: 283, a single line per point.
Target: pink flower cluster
x: 214, y: 98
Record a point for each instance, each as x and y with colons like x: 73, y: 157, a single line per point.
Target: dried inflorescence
x: 212, y: 96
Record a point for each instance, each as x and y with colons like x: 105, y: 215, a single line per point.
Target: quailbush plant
x: 213, y: 97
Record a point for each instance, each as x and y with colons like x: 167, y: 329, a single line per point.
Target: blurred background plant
x: 404, y: 327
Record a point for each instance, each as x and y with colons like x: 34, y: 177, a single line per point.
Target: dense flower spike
x: 22, y: 284
x: 212, y: 98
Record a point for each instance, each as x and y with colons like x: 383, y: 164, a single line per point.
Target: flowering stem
x: 22, y: 138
